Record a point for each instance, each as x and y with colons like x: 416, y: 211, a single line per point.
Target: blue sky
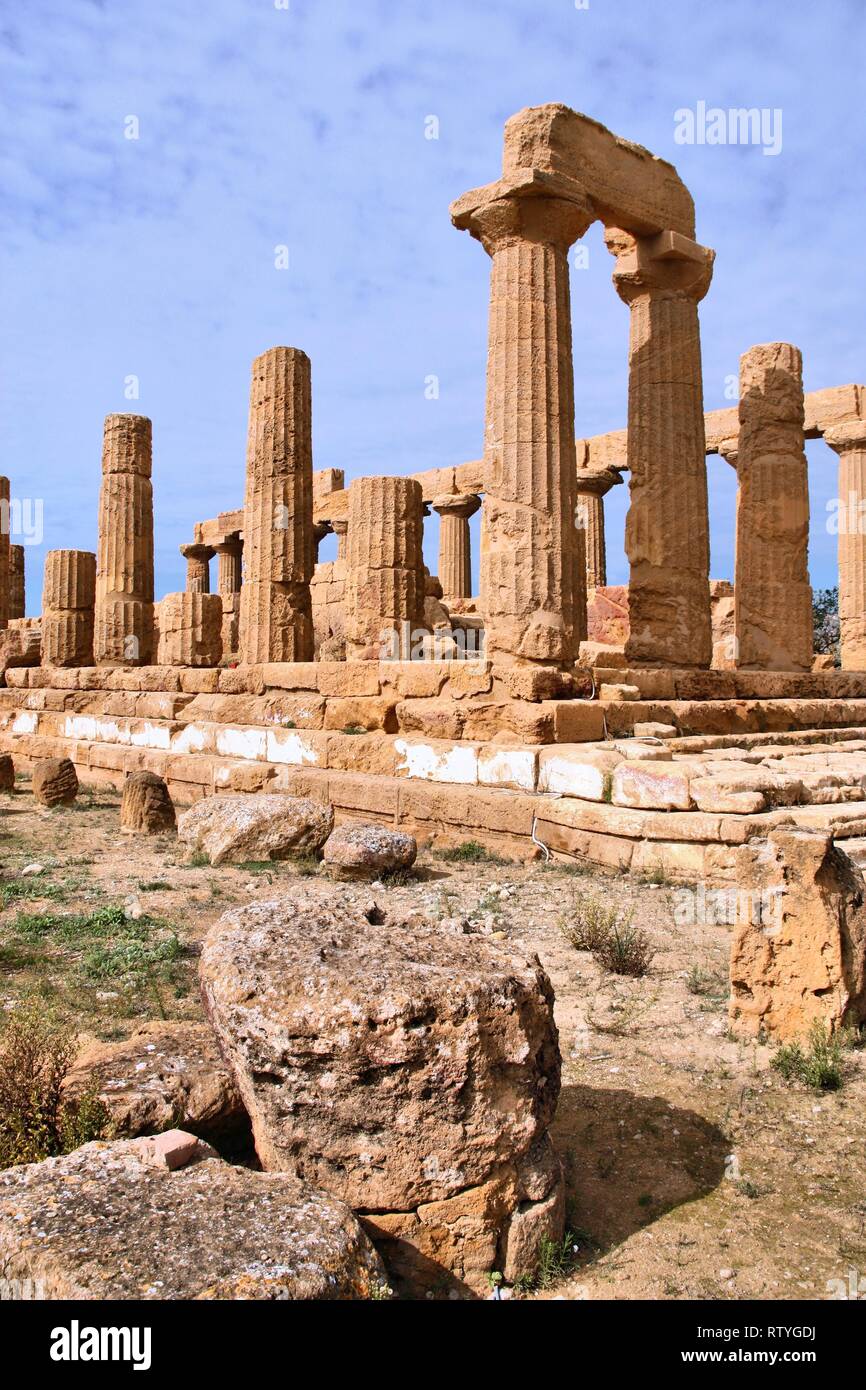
x: 305, y: 126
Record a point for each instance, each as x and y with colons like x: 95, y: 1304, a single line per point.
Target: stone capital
x: 229, y: 545
x: 596, y: 482
x: 532, y: 205
x: 729, y: 450
x: 460, y: 504
x: 848, y: 437
x: 196, y: 550
x: 667, y: 264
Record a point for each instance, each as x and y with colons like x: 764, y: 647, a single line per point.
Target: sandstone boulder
x: 409, y: 1071
x: 7, y: 773
x: 166, y: 1073
x: 55, y: 782
x: 365, y: 851
x: 146, y: 807
x: 113, y: 1221
x: 801, y: 958
x: 267, y: 825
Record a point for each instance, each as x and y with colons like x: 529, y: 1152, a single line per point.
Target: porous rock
x: 146, y: 806
x: 266, y: 825
x: 55, y: 782
x: 364, y: 851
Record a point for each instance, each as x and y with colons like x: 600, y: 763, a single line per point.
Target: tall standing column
x: 531, y: 578
x: 593, y: 485
x: 667, y: 537
x: 385, y: 578
x: 455, y: 553
x: 68, y: 596
x: 5, y: 550
x: 123, y: 628
x: 276, y: 622
x: 198, y: 558
x: 849, y: 442
x: 772, y: 594
x: 229, y: 570
x: 17, y: 601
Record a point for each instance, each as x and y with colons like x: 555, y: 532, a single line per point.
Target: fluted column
x: 276, y: 614
x: 190, y: 629
x: 662, y: 278
x: 593, y: 485
x: 340, y: 529
x: 68, y: 597
x: 229, y: 553
x: 5, y: 551
x: 455, y: 553
x: 123, y: 630
x: 849, y: 442
x: 772, y: 594
x: 531, y: 577
x: 17, y: 600
x: 198, y: 558
x: 385, y: 578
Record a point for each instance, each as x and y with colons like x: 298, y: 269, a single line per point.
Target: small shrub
x: 157, y: 885
x: 305, y: 865
x: 591, y: 925
x: 197, y: 860
x: 556, y: 1259
x: 470, y: 852
x: 354, y: 729
x: 701, y: 981
x: 625, y: 951
x: 817, y: 1063
x: 36, y: 1122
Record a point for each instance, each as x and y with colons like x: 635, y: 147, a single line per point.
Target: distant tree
x: 825, y: 621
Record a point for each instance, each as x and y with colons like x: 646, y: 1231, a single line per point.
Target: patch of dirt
x: 694, y: 1170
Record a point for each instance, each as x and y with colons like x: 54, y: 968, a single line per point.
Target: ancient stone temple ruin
x: 672, y: 724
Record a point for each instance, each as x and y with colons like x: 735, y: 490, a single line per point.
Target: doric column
x: 276, y: 615
x: 385, y: 579
x: 593, y: 485
x: 229, y: 553
x: 772, y: 594
x: 455, y: 554
x: 198, y: 558
x: 662, y: 278
x: 68, y: 596
x: 17, y: 601
x: 849, y: 442
x: 190, y: 629
x: 340, y: 528
x: 531, y: 584
x: 123, y: 634
x: 5, y: 548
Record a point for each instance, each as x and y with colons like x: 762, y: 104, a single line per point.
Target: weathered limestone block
x: 68, y: 597
x: 165, y: 1074
x: 146, y: 807
x: 190, y: 629
x: 366, y: 851
x: 276, y: 622
x: 801, y: 958
x: 123, y: 620
x: 7, y: 773
x: 210, y: 1230
x: 656, y: 786
x: 566, y: 770
x: 849, y: 442
x: 5, y: 552
x: 411, y: 1071
x: 264, y: 826
x: 55, y: 782
x: 722, y: 611
x: 533, y: 582
x: 385, y: 576
x: 662, y: 278
x: 773, y: 597
x: 17, y: 603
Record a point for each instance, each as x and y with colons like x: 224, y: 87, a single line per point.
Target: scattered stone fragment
x: 146, y: 807
x: 267, y: 825
x: 7, y: 773
x: 409, y: 1071
x: 365, y: 851
x: 113, y: 1221
x: 55, y: 782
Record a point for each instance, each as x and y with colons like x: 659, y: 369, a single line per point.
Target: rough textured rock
x: 773, y: 597
x: 123, y: 619
x: 7, y: 773
x: 365, y: 851
x: 111, y: 1221
x: 55, y: 782
x: 190, y: 629
x: 146, y: 806
x: 410, y: 1071
x: 268, y: 825
x: 804, y: 959
x: 165, y: 1074
x: 662, y: 278
x: 68, y: 596
x: 385, y: 578
x: 276, y: 621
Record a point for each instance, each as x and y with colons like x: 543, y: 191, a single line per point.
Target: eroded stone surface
x: 146, y: 807
x: 364, y: 851
x: 55, y: 782
x: 264, y: 826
